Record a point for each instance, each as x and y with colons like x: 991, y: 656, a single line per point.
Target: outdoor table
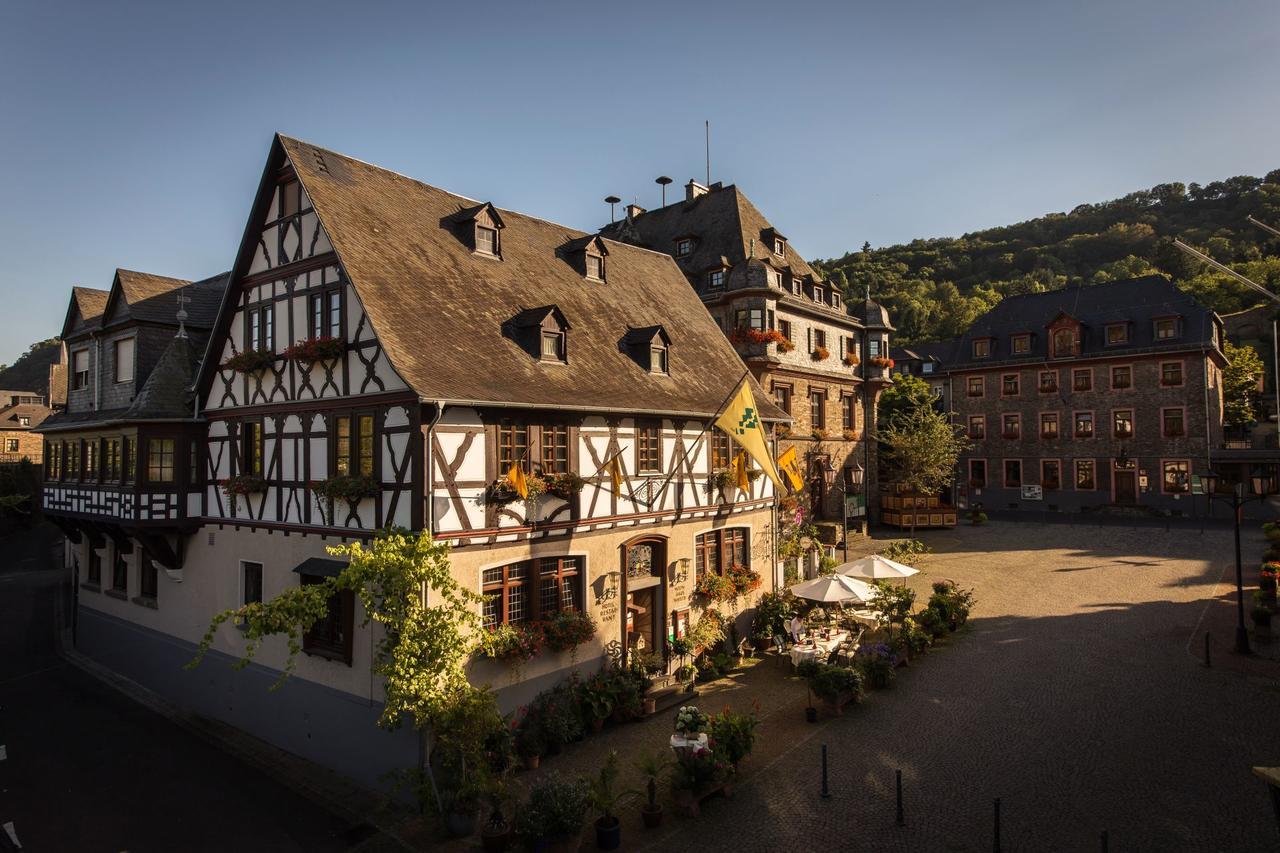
x: 682, y: 745
x: 818, y: 649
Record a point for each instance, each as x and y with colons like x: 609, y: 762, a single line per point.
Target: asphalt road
x: 84, y: 768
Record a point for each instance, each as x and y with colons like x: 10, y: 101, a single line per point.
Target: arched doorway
x: 644, y: 620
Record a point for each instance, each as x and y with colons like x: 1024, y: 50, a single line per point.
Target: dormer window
x: 819, y: 295
x: 541, y: 332
x: 1117, y: 333
x: 715, y: 279
x: 684, y: 247
x: 552, y: 345
x: 982, y: 348
x: 595, y: 267
x: 780, y: 247
x: 1166, y: 328
x: 480, y: 227
x: 487, y: 240
x: 835, y: 299
x: 1021, y: 344
x: 650, y: 348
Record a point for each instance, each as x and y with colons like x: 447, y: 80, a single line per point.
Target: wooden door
x: 1126, y: 487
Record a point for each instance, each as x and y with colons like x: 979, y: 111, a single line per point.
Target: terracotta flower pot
x: 650, y: 705
x: 531, y: 762
x: 652, y: 815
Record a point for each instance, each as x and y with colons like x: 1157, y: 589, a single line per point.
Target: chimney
x: 634, y: 210
x: 693, y: 189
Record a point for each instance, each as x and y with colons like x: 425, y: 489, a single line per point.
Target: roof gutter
x: 604, y: 410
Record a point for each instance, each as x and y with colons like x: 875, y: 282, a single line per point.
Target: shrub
x: 915, y: 637
x: 557, y: 808
x: 977, y: 517
x: 878, y: 665
x: 700, y: 770
x: 733, y: 734
x: 560, y: 710
x: 829, y: 682
x: 906, y: 551
x: 708, y: 631
x: 773, y: 612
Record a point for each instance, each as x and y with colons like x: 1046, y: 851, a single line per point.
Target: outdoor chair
x: 834, y: 657
x: 779, y: 643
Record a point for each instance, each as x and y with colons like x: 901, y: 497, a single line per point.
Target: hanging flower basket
x: 568, y: 630
x: 243, y: 484
x: 564, y: 486
x: 250, y: 361
x: 323, y: 348
x: 744, y: 580
x: 512, y: 643
x: 716, y: 587
x: 820, y: 353
x: 348, y: 488
x: 501, y: 493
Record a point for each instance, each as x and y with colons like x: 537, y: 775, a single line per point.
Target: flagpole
x: 685, y: 459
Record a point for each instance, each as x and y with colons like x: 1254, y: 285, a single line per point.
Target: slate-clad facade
x: 1102, y: 395
x: 419, y: 343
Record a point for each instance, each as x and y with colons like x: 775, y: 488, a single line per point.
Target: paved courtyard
x: 1072, y: 697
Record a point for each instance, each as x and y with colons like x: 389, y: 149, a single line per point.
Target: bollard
x: 1104, y: 841
x: 996, y: 845
x: 901, y: 820
x: 826, y: 794
x: 1206, y: 650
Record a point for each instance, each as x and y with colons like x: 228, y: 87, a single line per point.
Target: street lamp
x: 855, y: 474
x: 1236, y: 499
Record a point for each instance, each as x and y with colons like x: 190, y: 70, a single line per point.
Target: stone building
x: 823, y: 361
x: 20, y: 413
x: 410, y: 346
x: 1102, y: 395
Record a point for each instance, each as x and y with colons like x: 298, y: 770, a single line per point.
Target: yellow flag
x: 789, y: 464
x: 516, y: 480
x: 741, y: 420
x: 614, y: 467
x: 740, y: 472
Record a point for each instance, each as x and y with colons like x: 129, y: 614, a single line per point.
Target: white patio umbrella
x: 876, y: 567
x: 835, y: 589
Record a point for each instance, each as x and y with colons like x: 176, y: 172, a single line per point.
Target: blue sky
x: 133, y: 134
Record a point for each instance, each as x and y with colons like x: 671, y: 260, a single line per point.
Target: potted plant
x: 652, y: 767
x: 807, y: 669
x: 733, y: 734
x: 597, y: 701
x: 878, y: 665
x: 552, y: 818
x: 1267, y: 582
x: 605, y: 798
x: 320, y: 348
x: 463, y: 807
x: 836, y: 685
x: 1262, y: 622
x: 495, y: 835
x: 530, y: 741
x: 690, y: 721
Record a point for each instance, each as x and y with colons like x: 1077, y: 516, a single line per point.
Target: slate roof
x: 438, y: 309
x: 1138, y: 301
x: 167, y: 393
x: 9, y: 415
x: 940, y: 351
x: 89, y: 304
x: 154, y: 298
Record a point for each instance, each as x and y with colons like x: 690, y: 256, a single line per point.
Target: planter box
x: 836, y: 708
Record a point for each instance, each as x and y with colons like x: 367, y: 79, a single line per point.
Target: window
x: 80, y: 369
x: 1064, y: 343
x: 513, y: 447
x: 111, y: 459
x: 1170, y: 373
x: 595, y: 267
x: 559, y: 585
x: 1048, y: 381
x: 555, y: 449
x: 1020, y: 344
x: 684, y: 247
x: 720, y: 449
x: 1011, y: 426
x: 95, y: 567
x: 819, y: 339
x: 251, y: 448
x: 1171, y: 421
x: 509, y: 590
x: 977, y: 426
x: 927, y: 367
x: 782, y: 396
x: 487, y: 240
x: 130, y: 459
x: 1082, y: 380
x: 1117, y: 333
x: 325, y: 317
x: 1166, y: 329
x: 91, y: 459
x: 978, y: 473
x: 11, y: 445
x: 659, y: 359
x: 262, y: 334
x: 124, y: 360
x: 849, y: 412
x: 873, y: 347
x: 1085, y: 475
x: 648, y: 448
x: 330, y: 635
x: 290, y: 198
x: 74, y: 471
x: 53, y: 457
x: 1122, y: 423
x: 715, y: 279
x: 975, y: 386
x: 1121, y: 378
x: 24, y: 420
x: 147, y: 577
x: 1176, y: 475
x: 819, y: 295
x: 552, y: 345
x: 718, y: 550
x: 251, y: 582
x: 1048, y: 424
x: 1050, y: 474
x: 1013, y: 473
x: 784, y: 326
x: 194, y: 467
x: 1084, y: 425
x: 818, y: 409
x: 779, y: 247
x: 160, y: 460
x: 119, y: 571
x: 982, y: 348
x: 1010, y: 385
x: 835, y: 299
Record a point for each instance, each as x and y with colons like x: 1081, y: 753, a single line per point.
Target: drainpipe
x: 97, y: 372
x: 428, y: 518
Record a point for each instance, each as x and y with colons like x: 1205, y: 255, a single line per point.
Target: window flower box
x: 568, y: 630
x: 716, y: 587
x: 849, y: 435
x: 316, y: 349
x: 1009, y: 433
x: 819, y: 435
x: 852, y: 360
x: 564, y: 486
x: 512, y: 643
x: 251, y: 361
x: 882, y: 361
x: 744, y: 580
x: 351, y: 489
x: 242, y: 485
x: 820, y: 354
x: 501, y: 493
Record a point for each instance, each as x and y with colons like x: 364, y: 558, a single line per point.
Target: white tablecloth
x: 820, y: 650
x: 680, y: 743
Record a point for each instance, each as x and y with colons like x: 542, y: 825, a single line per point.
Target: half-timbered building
x: 385, y: 352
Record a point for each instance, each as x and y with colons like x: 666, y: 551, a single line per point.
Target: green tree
x: 920, y: 450
x: 1240, y: 385
x: 907, y: 396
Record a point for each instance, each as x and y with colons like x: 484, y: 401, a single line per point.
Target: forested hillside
x: 935, y: 288
x: 31, y: 371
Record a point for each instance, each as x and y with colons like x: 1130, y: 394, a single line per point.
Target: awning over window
x: 320, y: 567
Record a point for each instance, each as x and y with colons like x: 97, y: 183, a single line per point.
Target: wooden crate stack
x: 911, y: 509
